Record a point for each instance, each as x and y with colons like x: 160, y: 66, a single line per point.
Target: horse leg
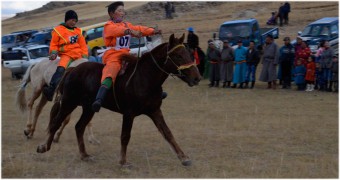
x: 60, y: 131
x: 91, y: 137
x: 125, y: 138
x: 55, y: 123
x: 38, y: 109
x: 85, y: 118
x: 158, y: 119
x: 30, y: 102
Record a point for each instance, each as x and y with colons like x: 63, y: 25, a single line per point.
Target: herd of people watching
x: 286, y: 64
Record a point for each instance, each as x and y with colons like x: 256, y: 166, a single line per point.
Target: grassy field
x: 228, y: 133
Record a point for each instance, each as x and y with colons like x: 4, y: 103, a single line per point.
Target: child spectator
x: 272, y: 20
x: 310, y: 74
x: 299, y: 75
x: 318, y: 76
x: 335, y: 73
x: 214, y: 57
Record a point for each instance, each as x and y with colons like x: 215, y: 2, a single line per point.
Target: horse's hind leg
x: 158, y: 119
x: 30, y: 102
x: 60, y: 131
x: 125, y: 137
x: 55, y: 123
x: 85, y: 118
x: 38, y: 109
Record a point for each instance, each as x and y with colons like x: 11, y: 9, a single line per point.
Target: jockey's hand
x: 136, y: 33
x: 157, y: 31
x: 53, y: 56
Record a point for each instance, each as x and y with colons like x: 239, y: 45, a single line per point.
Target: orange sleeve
x: 111, y: 32
x: 146, y: 31
x: 54, y: 44
x: 83, y: 46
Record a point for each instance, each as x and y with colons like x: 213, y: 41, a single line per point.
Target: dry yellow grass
x: 228, y: 133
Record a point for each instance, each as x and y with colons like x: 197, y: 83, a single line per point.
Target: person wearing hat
x: 117, y: 35
x: 270, y: 60
x: 214, y: 58
x: 240, y: 71
x: 227, y: 64
x: 69, y: 44
x: 192, y: 39
x: 287, y: 56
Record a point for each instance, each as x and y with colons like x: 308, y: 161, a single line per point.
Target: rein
x: 179, y: 68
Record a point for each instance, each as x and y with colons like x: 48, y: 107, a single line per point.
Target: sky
x: 10, y: 8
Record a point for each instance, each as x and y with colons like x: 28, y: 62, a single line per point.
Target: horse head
x: 181, y: 62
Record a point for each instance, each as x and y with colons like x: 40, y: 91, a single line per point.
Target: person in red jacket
x: 69, y: 44
x: 117, y: 35
x: 310, y: 74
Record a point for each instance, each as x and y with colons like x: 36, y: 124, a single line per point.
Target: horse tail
x: 20, y: 98
x: 57, y: 102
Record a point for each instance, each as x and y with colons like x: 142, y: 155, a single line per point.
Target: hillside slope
x: 205, y: 17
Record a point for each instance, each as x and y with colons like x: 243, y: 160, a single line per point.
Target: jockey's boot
x: 164, y: 95
x: 48, y: 91
x: 252, y: 84
x: 99, y: 98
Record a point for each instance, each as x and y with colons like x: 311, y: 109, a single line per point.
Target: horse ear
x: 181, y: 40
x: 171, y: 39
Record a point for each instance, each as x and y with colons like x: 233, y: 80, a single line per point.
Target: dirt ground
x: 227, y: 133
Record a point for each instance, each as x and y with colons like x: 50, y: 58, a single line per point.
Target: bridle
x: 180, y: 67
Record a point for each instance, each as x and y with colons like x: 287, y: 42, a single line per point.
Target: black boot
x: 211, y: 84
x: 224, y: 85
x: 228, y: 86
x: 241, y: 86
x: 246, y: 85
x: 234, y: 86
x: 99, y: 98
x: 330, y: 86
x: 252, y: 84
x: 164, y: 95
x: 217, y: 84
x: 49, y: 91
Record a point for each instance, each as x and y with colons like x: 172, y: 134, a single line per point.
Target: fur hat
x: 70, y: 14
x: 113, y: 6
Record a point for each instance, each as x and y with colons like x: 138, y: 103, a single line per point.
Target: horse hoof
x: 41, y: 149
x: 186, y: 162
x: 26, y: 132
x: 87, y: 158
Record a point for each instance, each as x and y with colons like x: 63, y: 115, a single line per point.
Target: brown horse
x: 138, y: 91
x: 39, y: 75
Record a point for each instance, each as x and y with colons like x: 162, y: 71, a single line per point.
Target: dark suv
x: 43, y: 37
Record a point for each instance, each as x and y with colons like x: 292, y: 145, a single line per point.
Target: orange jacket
x: 68, y: 42
x: 114, y: 37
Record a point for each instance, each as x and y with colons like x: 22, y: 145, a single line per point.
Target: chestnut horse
x: 39, y: 75
x: 137, y: 92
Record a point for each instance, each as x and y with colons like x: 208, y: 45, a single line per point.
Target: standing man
x: 168, y: 10
x: 287, y: 56
x: 241, y: 65
x: 68, y: 43
x: 227, y: 64
x: 253, y: 59
x: 286, y: 11
x: 270, y: 60
x: 214, y: 57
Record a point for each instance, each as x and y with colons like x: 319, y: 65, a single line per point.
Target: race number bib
x: 123, y: 42
x: 73, y: 39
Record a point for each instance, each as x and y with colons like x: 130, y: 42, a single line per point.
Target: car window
x: 39, y: 52
x: 13, y: 55
x: 7, y: 39
x: 334, y: 29
x: 94, y: 33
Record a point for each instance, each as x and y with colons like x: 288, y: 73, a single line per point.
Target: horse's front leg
x: 125, y: 137
x: 158, y: 119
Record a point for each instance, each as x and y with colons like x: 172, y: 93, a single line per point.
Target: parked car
x: 18, y: 59
x: 42, y: 37
x: 323, y: 29
x: 247, y: 30
x: 15, y: 39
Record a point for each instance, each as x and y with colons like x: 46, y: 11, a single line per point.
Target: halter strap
x: 174, y: 48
